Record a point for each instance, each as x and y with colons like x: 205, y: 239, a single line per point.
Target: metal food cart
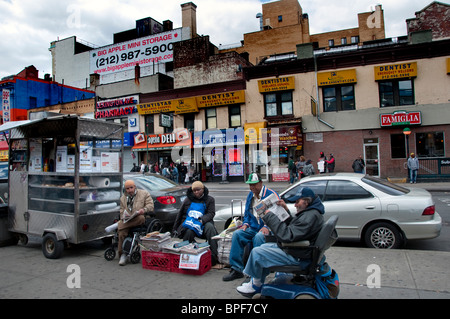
x: 65, y: 179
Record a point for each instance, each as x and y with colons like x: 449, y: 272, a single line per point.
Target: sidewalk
x: 26, y: 273
x: 399, y: 274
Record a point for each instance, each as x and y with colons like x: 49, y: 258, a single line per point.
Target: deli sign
x: 401, y: 118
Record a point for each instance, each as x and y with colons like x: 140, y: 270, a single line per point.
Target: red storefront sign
x: 282, y: 136
x: 401, y: 118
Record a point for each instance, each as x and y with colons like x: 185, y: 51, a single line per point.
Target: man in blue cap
x: 253, y: 229
x: 305, y: 225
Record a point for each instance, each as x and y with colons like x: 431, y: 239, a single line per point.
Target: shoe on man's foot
x: 248, y: 289
x: 123, y: 260
x: 234, y: 274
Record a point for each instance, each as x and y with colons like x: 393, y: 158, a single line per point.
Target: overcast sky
x: 28, y: 26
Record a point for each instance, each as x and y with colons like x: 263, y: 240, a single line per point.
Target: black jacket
x: 209, y: 213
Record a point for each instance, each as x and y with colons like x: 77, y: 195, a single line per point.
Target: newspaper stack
x: 155, y: 241
x: 194, y: 248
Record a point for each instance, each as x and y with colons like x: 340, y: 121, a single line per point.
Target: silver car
x: 379, y: 213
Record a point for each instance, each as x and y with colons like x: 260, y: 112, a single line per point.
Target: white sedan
x: 381, y: 214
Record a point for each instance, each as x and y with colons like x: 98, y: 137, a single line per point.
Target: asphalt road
x: 442, y: 201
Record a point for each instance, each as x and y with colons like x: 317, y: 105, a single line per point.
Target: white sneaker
x: 248, y: 289
x: 123, y: 260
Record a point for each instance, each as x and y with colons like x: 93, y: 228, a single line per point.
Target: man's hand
x: 141, y: 211
x: 265, y: 231
x: 283, y: 204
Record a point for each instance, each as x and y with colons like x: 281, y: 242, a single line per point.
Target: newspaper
x: 128, y: 216
x: 270, y: 203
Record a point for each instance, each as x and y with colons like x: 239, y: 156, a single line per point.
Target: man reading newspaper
x: 134, y: 203
x: 305, y: 225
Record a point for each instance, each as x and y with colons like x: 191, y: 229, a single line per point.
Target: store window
x: 396, y: 93
x: 338, y: 98
x: 234, y: 115
x: 430, y: 144
x: 398, y: 146
x: 278, y: 104
x: 211, y: 118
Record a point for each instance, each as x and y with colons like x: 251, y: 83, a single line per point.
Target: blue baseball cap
x: 301, y: 193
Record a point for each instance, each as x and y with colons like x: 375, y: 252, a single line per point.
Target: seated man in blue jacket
x: 305, y: 225
x: 253, y: 229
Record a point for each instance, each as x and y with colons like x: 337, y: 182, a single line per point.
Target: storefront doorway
x: 371, y: 157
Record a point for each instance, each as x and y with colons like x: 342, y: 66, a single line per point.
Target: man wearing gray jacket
x: 305, y: 225
x: 413, y: 165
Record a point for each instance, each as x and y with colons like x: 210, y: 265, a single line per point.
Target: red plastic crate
x: 205, y: 265
x: 170, y: 262
x: 156, y: 261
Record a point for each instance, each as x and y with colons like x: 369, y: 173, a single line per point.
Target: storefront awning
x: 163, y: 142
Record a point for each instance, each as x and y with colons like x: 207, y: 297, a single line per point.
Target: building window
x: 278, y: 104
x: 280, y: 18
x: 331, y: 43
x: 355, y: 39
x: 396, y: 93
x: 338, y: 98
x: 430, y: 144
x: 189, y: 120
x: 211, y: 118
x: 398, y: 146
x: 344, y: 41
x: 234, y: 115
x: 149, y: 124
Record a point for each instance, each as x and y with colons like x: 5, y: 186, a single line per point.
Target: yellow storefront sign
x: 336, y: 77
x: 396, y: 71
x: 219, y: 99
x: 156, y: 107
x: 278, y: 84
x: 188, y: 105
x: 253, y: 132
x: 4, y: 155
x: 448, y: 66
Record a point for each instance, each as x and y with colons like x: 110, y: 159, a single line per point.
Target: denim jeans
x: 238, y: 242
x: 412, y: 175
x: 269, y: 255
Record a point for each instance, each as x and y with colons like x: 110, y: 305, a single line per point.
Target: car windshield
x: 153, y: 183
x: 385, y: 186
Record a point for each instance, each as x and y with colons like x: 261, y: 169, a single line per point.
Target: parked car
x: 167, y: 195
x: 375, y: 211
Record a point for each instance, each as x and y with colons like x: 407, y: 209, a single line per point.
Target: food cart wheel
x: 135, y: 257
x: 51, y: 246
x: 110, y: 254
x: 23, y: 239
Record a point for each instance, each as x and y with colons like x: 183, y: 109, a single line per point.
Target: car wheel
x: 383, y: 236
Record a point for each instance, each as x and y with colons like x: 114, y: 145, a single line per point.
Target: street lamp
x: 407, y: 133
